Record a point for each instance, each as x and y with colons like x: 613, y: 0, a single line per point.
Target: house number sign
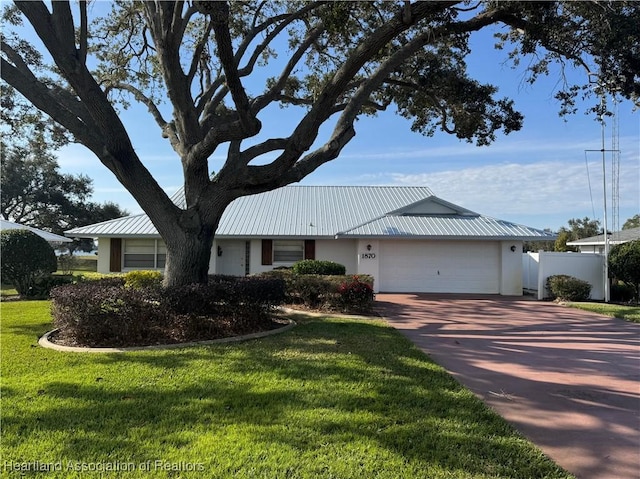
x: 368, y: 255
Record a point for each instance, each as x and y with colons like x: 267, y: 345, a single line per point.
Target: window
x: 144, y: 253
x: 288, y: 251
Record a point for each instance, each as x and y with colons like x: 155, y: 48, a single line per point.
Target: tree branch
x: 202, y: 43
x: 286, y: 169
x: 104, y: 134
x: 83, y: 32
x: 41, y: 97
x: 160, y: 16
x: 307, y: 130
x: 285, y: 20
x: 263, y: 100
x: 220, y: 20
x: 168, y: 129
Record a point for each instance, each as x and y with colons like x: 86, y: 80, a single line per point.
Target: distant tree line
x: 577, y: 229
x: 33, y: 190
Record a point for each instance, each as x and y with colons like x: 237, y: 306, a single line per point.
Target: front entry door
x: 231, y: 258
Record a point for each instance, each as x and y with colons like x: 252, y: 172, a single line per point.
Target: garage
x: 440, y: 266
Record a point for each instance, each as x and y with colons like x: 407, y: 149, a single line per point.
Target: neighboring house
x: 407, y: 238
x: 49, y: 237
x: 595, y: 244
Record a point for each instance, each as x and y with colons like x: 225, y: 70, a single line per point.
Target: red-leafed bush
x: 344, y: 293
x: 356, y: 294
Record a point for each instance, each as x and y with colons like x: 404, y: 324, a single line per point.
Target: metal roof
x: 446, y: 227
x: 330, y: 211
x: 49, y: 237
x: 617, y: 237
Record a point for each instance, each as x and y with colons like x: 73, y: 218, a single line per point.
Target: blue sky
x: 540, y: 176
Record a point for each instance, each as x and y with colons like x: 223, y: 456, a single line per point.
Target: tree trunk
x: 188, y: 255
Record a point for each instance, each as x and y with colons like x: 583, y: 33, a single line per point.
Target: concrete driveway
x: 566, y: 379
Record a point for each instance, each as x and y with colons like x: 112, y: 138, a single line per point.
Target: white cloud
x: 552, y: 189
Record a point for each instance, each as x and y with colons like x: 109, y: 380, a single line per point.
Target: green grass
x: 86, y: 263
x: 331, y: 398
x: 628, y: 313
x: 8, y: 290
x: 81, y: 264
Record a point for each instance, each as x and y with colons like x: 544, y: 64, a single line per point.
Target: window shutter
x: 309, y: 249
x: 115, y: 257
x: 267, y: 251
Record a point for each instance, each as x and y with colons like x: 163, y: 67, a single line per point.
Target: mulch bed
x: 162, y: 337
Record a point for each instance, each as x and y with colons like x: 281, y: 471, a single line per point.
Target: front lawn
x: 628, y: 313
x: 331, y: 398
x: 8, y: 290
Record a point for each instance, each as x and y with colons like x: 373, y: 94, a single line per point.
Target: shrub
x: 622, y: 292
x: 312, y: 290
x: 624, y: 264
x: 26, y: 258
x: 314, y: 266
x: 142, y: 278
x: 94, y: 276
x: 67, y: 263
x: 106, y: 313
x: 317, y: 291
x: 289, y: 281
x: 356, y: 294
x: 42, y: 287
x: 568, y: 288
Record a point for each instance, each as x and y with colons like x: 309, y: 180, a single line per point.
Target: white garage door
x: 439, y: 267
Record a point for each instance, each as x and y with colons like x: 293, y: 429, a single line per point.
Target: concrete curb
x: 315, y: 314
x: 45, y: 343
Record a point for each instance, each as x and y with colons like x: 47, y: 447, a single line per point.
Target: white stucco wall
x: 104, y: 254
x: 587, y: 267
x: 368, y: 258
x: 341, y: 251
x: 511, y: 268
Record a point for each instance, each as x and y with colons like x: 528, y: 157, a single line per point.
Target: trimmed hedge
x: 568, y: 288
x: 314, y: 266
x: 107, y: 313
x: 142, y: 278
x: 346, y: 293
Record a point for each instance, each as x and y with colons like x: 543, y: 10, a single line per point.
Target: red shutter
x: 267, y: 251
x: 309, y: 249
x: 115, y: 258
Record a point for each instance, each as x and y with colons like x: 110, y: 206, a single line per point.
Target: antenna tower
x: 615, y: 169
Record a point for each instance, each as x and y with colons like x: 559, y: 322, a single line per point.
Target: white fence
x: 537, y: 267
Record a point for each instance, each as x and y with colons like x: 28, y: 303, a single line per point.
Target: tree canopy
x: 334, y: 61
x: 578, y: 228
x: 34, y: 192
x: 633, y: 222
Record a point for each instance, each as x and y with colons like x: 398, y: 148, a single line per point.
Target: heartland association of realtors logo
x: 115, y: 466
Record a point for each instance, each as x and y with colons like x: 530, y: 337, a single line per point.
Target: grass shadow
x: 329, y: 397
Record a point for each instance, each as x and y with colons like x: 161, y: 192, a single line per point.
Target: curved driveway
x: 566, y: 379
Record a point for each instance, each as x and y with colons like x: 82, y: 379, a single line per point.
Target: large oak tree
x: 342, y: 60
